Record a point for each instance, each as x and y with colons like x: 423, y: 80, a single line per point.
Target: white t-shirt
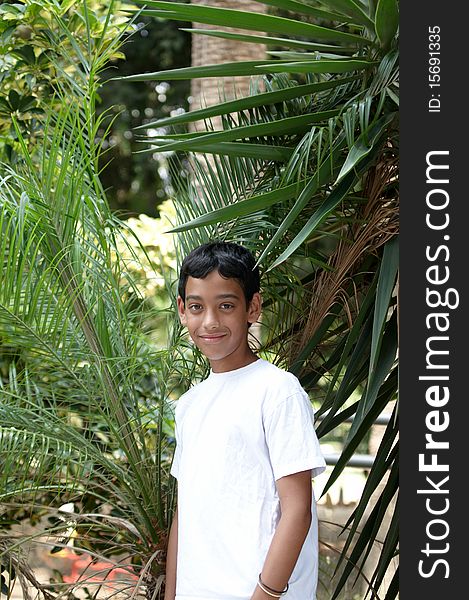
x: 236, y: 433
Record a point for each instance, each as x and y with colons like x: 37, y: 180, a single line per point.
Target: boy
x: 246, y: 525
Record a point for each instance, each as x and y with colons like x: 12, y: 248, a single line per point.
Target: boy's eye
x: 227, y: 306
x: 195, y: 307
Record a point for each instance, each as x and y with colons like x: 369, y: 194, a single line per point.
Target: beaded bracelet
x: 269, y: 591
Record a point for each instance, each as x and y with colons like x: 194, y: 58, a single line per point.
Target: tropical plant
x: 85, y: 404
x: 305, y: 172
x: 85, y: 398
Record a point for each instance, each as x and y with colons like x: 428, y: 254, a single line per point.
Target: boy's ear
x: 254, y: 308
x: 181, y: 310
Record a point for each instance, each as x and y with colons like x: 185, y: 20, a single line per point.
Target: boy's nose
x: 211, y: 320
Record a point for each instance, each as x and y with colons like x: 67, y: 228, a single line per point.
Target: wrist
x: 269, y: 591
x: 260, y: 595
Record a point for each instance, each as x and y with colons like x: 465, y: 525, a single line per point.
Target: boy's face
x: 216, y: 315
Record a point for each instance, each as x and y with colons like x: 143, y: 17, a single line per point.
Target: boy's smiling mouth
x: 212, y: 337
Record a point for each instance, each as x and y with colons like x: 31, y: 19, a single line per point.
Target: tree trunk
x: 211, y: 50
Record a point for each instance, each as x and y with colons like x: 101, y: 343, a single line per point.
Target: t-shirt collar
x: 236, y: 372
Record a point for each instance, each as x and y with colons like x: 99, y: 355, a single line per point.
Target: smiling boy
x: 246, y: 525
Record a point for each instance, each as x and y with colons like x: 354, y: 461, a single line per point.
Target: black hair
x: 229, y: 259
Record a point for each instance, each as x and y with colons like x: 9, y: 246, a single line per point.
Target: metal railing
x: 361, y: 461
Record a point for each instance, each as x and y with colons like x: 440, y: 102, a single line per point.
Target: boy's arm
x: 171, y: 559
x: 295, y: 495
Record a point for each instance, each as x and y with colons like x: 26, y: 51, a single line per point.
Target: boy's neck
x: 231, y: 363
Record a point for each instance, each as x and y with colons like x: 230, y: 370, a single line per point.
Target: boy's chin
x: 210, y: 353
x: 213, y: 355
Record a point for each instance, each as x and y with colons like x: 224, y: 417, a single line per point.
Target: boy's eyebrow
x: 218, y: 297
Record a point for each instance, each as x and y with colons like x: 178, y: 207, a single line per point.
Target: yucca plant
x: 304, y: 171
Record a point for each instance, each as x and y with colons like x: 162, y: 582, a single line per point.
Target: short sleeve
x: 291, y: 438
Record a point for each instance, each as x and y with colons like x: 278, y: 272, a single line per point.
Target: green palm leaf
x: 250, y: 102
x: 288, y: 125
x: 245, y: 20
x: 386, y: 21
x: 271, y: 41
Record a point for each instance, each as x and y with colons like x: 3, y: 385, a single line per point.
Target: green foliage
x: 44, y: 45
x: 32, y: 69
x: 85, y: 399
